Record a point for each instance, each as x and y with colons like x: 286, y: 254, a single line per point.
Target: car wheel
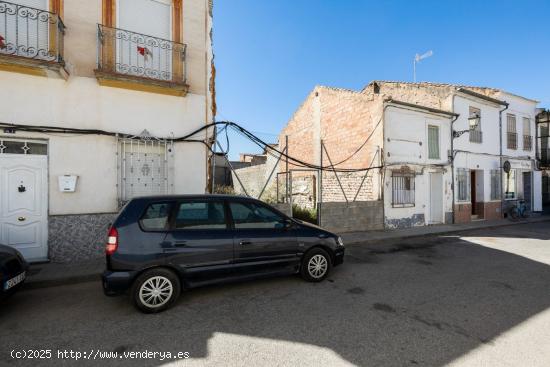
x: 316, y: 265
x: 156, y: 290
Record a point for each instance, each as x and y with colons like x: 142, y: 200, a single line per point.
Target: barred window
x: 511, y: 132
x: 144, y: 167
x: 402, y: 189
x: 463, y: 184
x: 527, y: 138
x: 433, y: 142
x: 495, y: 184
x: 475, y: 133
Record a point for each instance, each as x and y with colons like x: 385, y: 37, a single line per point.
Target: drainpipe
x: 453, y: 157
x: 500, y: 159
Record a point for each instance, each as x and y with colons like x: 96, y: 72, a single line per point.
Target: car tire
x: 156, y: 290
x: 316, y: 265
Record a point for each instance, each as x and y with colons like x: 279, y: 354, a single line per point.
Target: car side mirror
x: 287, y: 223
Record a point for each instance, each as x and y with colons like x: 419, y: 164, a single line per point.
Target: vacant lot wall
x: 356, y: 216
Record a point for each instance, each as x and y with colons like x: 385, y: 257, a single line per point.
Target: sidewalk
x: 54, y: 274
x: 374, y: 237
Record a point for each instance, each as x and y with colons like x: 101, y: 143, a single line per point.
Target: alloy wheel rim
x: 317, y: 266
x: 156, y: 291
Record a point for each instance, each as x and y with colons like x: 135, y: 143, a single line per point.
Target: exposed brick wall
x: 343, y: 119
x: 351, y: 183
x: 463, y: 213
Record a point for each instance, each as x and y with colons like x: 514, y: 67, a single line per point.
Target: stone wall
x: 355, y: 216
x: 254, y: 178
x: 74, y: 238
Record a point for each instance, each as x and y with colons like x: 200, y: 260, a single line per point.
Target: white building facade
x: 417, y: 174
x: 92, y: 102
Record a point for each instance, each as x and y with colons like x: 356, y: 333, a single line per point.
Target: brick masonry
x: 492, y: 210
x: 74, y: 238
x: 463, y: 213
x: 356, y: 216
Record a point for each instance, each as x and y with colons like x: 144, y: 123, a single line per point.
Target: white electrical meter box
x: 67, y: 183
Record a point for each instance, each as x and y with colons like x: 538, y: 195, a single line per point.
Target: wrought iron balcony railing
x: 527, y: 142
x: 476, y: 136
x: 135, y: 55
x: 512, y: 140
x: 30, y: 33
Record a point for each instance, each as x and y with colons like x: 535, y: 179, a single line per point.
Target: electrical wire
x: 187, y: 138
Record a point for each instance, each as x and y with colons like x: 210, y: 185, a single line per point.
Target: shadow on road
x: 418, y: 302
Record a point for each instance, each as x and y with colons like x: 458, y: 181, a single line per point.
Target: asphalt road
x: 478, y: 298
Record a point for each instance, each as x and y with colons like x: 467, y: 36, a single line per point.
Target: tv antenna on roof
x: 417, y: 59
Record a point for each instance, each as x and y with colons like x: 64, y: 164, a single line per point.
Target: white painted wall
x: 406, y: 141
x: 82, y: 103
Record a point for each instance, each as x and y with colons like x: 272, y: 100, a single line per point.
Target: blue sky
x: 271, y: 53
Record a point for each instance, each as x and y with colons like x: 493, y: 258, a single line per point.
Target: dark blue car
x: 13, y: 270
x: 158, y: 246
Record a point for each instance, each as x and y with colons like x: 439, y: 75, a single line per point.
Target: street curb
x: 49, y: 283
x: 379, y: 240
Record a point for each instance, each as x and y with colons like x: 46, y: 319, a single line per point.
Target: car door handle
x: 245, y: 242
x: 180, y: 243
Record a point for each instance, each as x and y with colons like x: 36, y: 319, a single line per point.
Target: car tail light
x: 112, y: 241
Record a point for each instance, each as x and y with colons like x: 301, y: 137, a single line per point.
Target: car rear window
x: 156, y: 216
x: 200, y: 215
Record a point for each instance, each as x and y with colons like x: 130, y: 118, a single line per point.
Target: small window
x: 463, y: 183
x: 510, y: 185
x: 254, y: 216
x: 156, y: 217
x: 527, y: 137
x: 475, y: 133
x: 433, y: 142
x: 201, y: 215
x: 402, y: 189
x: 511, y: 132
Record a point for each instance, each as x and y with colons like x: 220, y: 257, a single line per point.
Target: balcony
x: 140, y: 62
x: 31, y: 40
x: 476, y: 136
x: 512, y: 140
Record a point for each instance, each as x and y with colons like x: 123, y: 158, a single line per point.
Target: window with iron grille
x: 527, y: 138
x: 463, y: 184
x: 511, y: 132
x: 27, y: 147
x: 402, y: 189
x: 144, y: 167
x: 495, y: 184
x: 433, y: 142
x: 475, y: 133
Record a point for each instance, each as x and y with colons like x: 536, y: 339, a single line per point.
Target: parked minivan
x: 160, y: 245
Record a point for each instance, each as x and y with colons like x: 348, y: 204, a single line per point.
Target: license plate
x: 14, y: 281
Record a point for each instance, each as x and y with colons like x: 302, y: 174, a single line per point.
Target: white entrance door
x: 23, y: 204
x: 436, y: 198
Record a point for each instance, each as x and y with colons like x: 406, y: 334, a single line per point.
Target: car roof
x: 193, y: 196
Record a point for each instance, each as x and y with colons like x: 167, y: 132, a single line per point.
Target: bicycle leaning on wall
x: 517, y: 211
